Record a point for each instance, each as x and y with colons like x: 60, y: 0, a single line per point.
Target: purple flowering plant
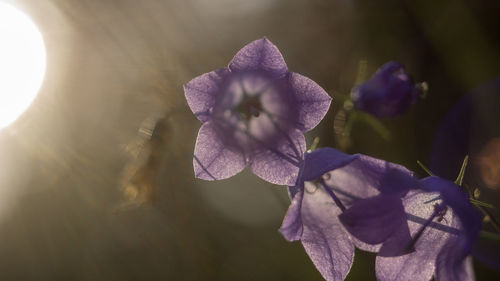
x: 418, y: 228
x: 312, y: 215
x: 435, y: 237
x: 254, y: 113
x: 332, y: 182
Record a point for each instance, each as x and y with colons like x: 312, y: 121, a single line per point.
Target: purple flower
x: 428, y: 231
x: 332, y: 181
x: 254, y: 113
x: 388, y: 93
x: 444, y: 225
x: 312, y: 216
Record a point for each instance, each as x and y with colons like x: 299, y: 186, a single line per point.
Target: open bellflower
x: 435, y: 238
x: 254, y: 113
x: 389, y: 92
x: 332, y: 181
x: 444, y: 226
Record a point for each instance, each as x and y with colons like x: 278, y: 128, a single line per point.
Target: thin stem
x: 375, y: 124
x: 314, y: 145
x: 461, y: 174
x: 361, y: 75
x: 493, y: 221
x: 340, y: 97
x: 483, y: 208
x: 425, y: 169
x: 351, y: 117
x: 481, y: 203
x: 490, y: 236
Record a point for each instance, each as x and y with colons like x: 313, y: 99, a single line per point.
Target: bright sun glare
x: 22, y: 63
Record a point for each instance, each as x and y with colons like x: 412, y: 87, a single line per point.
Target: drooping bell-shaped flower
x: 332, y: 181
x: 254, y: 113
x: 444, y: 225
x: 436, y: 236
x: 312, y: 216
x: 388, y: 93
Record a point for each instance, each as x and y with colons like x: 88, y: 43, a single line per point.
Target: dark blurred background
x: 96, y: 178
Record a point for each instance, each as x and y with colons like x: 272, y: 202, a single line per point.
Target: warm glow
x: 22, y: 63
x: 489, y: 163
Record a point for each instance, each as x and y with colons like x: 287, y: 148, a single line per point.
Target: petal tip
x: 259, y: 55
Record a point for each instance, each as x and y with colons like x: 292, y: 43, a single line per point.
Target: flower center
x: 249, y: 107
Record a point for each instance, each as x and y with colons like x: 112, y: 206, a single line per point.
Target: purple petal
x: 323, y: 160
x: 418, y: 265
x: 399, y: 243
x: 365, y: 246
x: 212, y: 160
x: 280, y: 164
x: 458, y: 200
x: 323, y: 238
x: 366, y: 177
x: 201, y: 91
x: 292, y: 223
x: 397, y: 180
x: 452, y: 263
x: 469, y: 270
x: 259, y: 55
x: 374, y: 219
x: 312, y: 101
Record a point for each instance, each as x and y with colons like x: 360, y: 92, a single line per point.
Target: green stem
x: 340, y: 97
x: 351, y: 117
x: 314, y: 145
x: 490, y: 236
x: 461, y: 174
x: 480, y: 203
x: 493, y: 221
x: 375, y: 124
x: 361, y: 75
x: 425, y: 168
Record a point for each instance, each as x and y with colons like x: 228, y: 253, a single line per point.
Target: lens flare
x: 22, y: 63
x: 489, y: 164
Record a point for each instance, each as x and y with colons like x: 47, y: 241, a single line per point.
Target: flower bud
x: 388, y: 93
